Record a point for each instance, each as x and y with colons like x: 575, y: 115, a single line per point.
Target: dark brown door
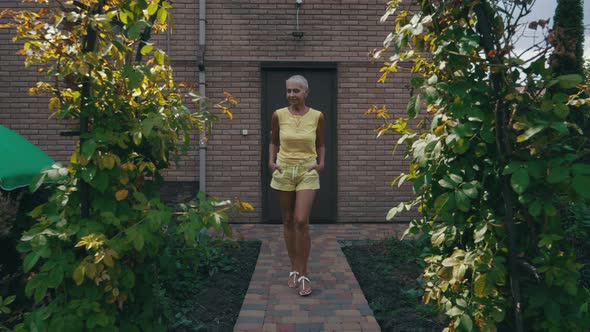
x: 322, y: 96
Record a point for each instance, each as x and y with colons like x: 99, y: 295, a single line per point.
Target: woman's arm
x: 319, y: 143
x: 273, y: 147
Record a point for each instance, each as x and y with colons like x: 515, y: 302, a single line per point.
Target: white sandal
x: 293, y: 274
x: 302, y: 281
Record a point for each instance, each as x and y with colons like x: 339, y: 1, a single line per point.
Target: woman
x: 296, y: 159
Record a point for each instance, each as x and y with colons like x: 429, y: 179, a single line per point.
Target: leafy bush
x: 499, y: 148
x: 94, y: 252
x: 8, y: 211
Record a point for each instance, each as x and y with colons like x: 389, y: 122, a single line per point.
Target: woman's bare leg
x: 287, y: 202
x: 303, y: 202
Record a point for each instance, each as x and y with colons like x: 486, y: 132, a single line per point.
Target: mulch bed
x: 388, y: 273
x: 212, y: 299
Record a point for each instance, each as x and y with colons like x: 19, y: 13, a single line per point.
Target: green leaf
x: 520, y: 180
x: 438, y: 236
x: 37, y: 184
x: 101, y: 181
x: 417, y: 82
x: 444, y: 202
x: 133, y: 76
x: 146, y: 126
x: 138, y: 242
x: 498, y: 314
x: 569, y: 81
x: 456, y: 178
x: 581, y: 169
x: 140, y: 197
x: 581, y: 184
x: 479, y: 286
x: 571, y: 288
x: 463, y: 202
x: 461, y: 146
x: 431, y: 94
x: 558, y: 175
x: 511, y: 168
x: 464, y: 130
x: 479, y: 233
x: 78, y: 275
x: 146, y: 49
x: 30, y: 261
x: 532, y: 131
x: 162, y: 16
x: 550, y: 210
x: 88, y: 173
x: 413, y: 107
x: 561, y: 111
x: 134, y: 31
x: 160, y: 57
x: 395, y: 210
x: 454, y: 311
x: 481, y: 150
x: 446, y: 182
x: 152, y: 8
x: 536, y: 208
x: 88, y: 148
x: 124, y: 16
x: 470, y: 189
x: 9, y: 299
x: 137, y: 137
x: 548, y: 239
x: 466, y: 323
x: 40, y: 293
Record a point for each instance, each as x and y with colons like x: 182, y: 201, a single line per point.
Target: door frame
x: 265, y: 136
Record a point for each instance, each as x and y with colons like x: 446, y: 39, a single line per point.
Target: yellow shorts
x: 295, y: 177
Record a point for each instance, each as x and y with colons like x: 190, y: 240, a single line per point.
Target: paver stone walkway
x: 337, y: 302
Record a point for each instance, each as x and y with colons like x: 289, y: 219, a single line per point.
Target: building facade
x: 249, y: 49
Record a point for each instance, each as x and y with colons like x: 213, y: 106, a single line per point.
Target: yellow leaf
x: 90, y: 271
x: 112, y: 253
x: 54, y: 103
x: 108, y: 260
x: 121, y: 194
x: 246, y: 206
x: 78, y: 275
x: 115, y: 291
x: 124, y: 180
x: 82, y: 242
x: 98, y: 256
x: 74, y: 158
x: 228, y: 112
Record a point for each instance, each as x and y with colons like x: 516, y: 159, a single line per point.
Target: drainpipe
x: 201, y: 66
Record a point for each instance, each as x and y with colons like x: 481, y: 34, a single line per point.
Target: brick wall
x: 240, y: 35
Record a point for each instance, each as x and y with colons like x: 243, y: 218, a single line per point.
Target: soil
x: 388, y: 274
x: 212, y: 300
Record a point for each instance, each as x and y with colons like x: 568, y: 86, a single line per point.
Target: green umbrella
x: 20, y: 160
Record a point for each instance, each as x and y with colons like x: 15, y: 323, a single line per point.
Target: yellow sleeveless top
x: 297, y: 135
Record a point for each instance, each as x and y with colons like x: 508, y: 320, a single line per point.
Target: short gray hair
x: 299, y: 79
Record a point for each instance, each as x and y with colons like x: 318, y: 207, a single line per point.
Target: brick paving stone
x: 269, y: 328
x: 286, y: 327
x: 309, y: 327
x: 247, y: 327
x: 250, y: 306
x: 337, y: 302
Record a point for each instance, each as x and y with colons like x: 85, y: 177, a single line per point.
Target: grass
x: 388, y: 272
